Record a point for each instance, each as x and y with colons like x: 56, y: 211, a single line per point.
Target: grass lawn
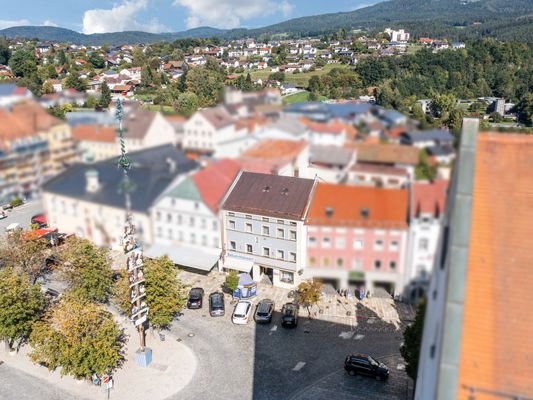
x: 301, y: 97
x: 301, y: 79
x: 167, y: 110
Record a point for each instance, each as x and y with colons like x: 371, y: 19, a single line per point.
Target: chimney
x: 171, y: 165
x: 92, y: 184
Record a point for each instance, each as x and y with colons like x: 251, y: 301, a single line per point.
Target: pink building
x: 357, y: 236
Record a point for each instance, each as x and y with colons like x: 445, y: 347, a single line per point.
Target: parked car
x: 40, y: 220
x: 365, y: 365
x: 7, y: 206
x: 242, y: 312
x: 14, y: 227
x: 289, y: 315
x: 3, y: 214
x: 264, y: 310
x: 216, y: 304
x: 196, y: 298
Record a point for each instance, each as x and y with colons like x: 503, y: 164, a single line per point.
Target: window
x: 191, y: 221
x: 266, y: 230
x: 312, y: 261
x: 231, y: 224
x: 292, y: 235
x: 248, y: 216
x: 280, y: 221
x: 170, y: 234
x: 232, y: 245
x: 158, y: 216
x: 215, y: 225
x: 231, y: 214
x: 204, y: 240
x: 281, y: 233
x: 193, y: 238
x: 169, y: 218
x: 159, y: 231
x: 326, y: 242
x: 180, y: 219
x: 312, y: 241
x: 287, y: 277
x: 358, y: 244
x: 340, y: 242
x: 172, y: 202
x: 340, y: 262
x: 265, y: 219
x: 215, y: 242
x: 196, y: 206
x: 180, y: 235
x: 378, y: 244
x: 281, y: 254
x: 249, y: 248
x: 292, y: 257
x: 293, y: 223
x: 204, y: 223
x: 357, y: 264
x: 266, y: 251
x: 325, y: 262
x: 423, y: 244
x: 377, y: 264
x: 249, y: 228
x: 394, y: 245
x: 392, y: 265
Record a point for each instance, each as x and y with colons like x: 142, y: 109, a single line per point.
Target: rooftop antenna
x: 133, y: 252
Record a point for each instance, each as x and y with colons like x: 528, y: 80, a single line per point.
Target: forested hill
x: 455, y: 19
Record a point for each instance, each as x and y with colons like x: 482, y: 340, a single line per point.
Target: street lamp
x: 134, y: 255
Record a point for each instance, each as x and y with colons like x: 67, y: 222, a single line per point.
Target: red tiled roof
x: 496, y: 341
x: 214, y: 181
x: 94, y: 133
x: 379, y: 169
x: 275, y: 149
x: 342, y: 205
x: 429, y: 197
x: 386, y: 153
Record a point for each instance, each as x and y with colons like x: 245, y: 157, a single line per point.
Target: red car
x: 39, y: 219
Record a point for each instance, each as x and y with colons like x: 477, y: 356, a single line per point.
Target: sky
x: 99, y: 16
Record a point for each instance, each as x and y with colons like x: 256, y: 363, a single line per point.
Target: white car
x: 3, y: 214
x: 242, y: 312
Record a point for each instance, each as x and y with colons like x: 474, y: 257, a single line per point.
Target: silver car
x: 264, y: 310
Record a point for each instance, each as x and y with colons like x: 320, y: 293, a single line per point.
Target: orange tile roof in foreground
x: 387, y: 208
x: 94, y: 133
x: 497, y: 339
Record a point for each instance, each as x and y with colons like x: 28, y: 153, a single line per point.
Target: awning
x: 238, y: 262
x: 187, y: 256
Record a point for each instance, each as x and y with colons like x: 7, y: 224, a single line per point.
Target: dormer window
x: 329, y: 212
x: 285, y: 191
x: 266, y: 189
x: 365, y: 213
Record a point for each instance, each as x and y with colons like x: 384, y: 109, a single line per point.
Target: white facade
x: 200, y: 134
x: 159, y: 132
x: 269, y: 246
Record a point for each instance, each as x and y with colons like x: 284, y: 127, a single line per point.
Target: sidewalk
x: 173, y: 367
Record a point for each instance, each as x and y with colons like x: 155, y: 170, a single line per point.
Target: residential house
x: 427, y: 139
x: 428, y: 204
x: 477, y: 333
x: 86, y: 200
x: 377, y: 175
x: 186, y: 218
x: 392, y: 155
x: 263, y: 231
x: 95, y: 142
x: 330, y: 163
x: 10, y: 93
x: 357, y: 236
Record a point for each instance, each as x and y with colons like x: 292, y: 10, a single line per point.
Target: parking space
x: 21, y: 215
x: 264, y: 362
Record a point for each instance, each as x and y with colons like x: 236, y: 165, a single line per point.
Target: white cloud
x: 49, y: 23
x: 7, y: 24
x: 230, y: 13
x: 122, y: 17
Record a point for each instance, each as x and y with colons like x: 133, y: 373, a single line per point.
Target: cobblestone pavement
x: 268, y: 362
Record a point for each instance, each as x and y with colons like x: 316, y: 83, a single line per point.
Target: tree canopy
x: 412, y: 337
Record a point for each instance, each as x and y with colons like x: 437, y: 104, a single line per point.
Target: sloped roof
x: 432, y: 134
x: 343, y: 205
x: 94, y: 133
x: 186, y: 189
x: 137, y: 122
x: 150, y: 173
x: 330, y: 155
x: 270, y: 195
x: 276, y: 149
x: 386, y: 153
x: 496, y: 344
x: 429, y: 197
x: 217, y: 116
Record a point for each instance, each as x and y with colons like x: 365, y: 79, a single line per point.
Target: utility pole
x: 134, y: 254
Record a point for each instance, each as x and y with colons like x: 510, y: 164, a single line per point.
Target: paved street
x: 21, y: 215
x: 264, y: 362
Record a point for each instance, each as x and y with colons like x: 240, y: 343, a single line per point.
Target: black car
x: 289, y: 315
x: 216, y: 304
x: 365, y: 365
x: 196, y: 298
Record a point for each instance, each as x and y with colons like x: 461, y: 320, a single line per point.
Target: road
x: 21, y: 215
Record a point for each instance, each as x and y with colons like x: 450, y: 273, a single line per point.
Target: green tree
x: 147, y: 76
x: 74, y: 81
x: 524, y: 109
x: 91, y: 102
x: 96, y: 60
x: 308, y: 294
x: 277, y: 76
x: 425, y: 171
x: 5, y: 52
x: 61, y: 57
x: 165, y: 294
x: 187, y: 104
x: 232, y: 281
x: 48, y: 88
x: 121, y: 293
x: 87, y: 269
x: 23, y: 63
x: 78, y: 336
x: 441, y: 105
x: 412, y: 338
x: 105, y: 95
x: 206, y: 84
x: 22, y: 304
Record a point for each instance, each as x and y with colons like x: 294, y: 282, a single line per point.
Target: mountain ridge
x: 423, y: 16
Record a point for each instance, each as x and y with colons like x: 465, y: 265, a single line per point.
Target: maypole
x: 134, y: 255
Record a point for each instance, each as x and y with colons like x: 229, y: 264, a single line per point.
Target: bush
x: 232, y: 281
x: 16, y: 202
